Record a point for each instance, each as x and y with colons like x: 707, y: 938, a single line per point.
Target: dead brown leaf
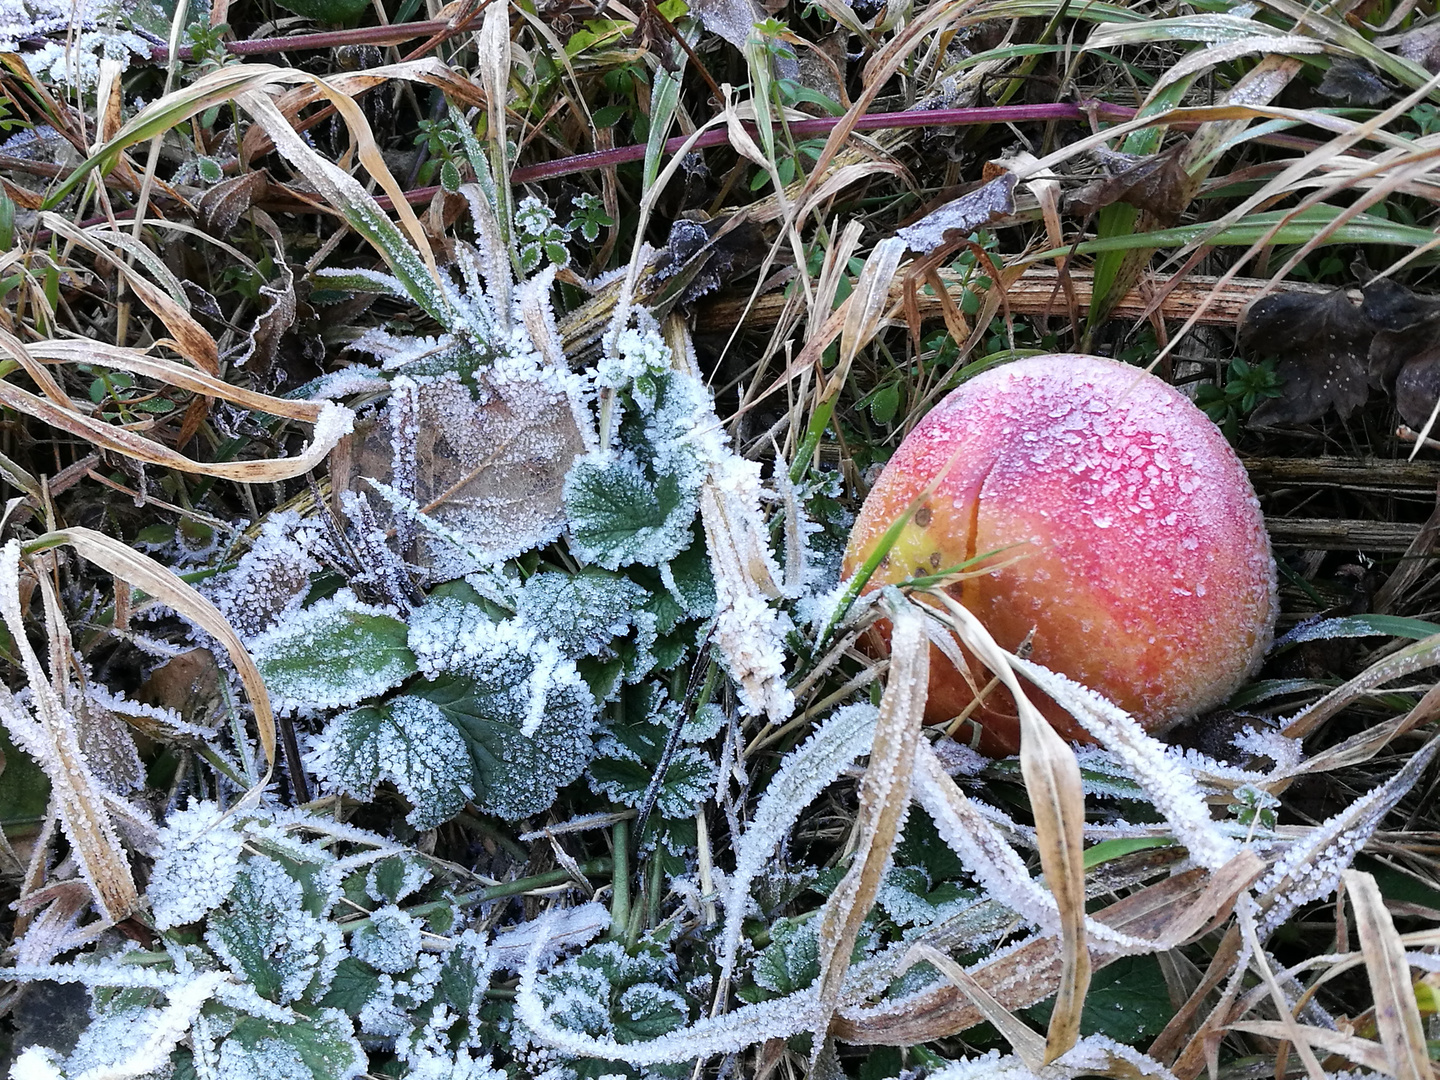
x: 1155, y: 182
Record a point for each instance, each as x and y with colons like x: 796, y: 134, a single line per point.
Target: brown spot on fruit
x: 923, y: 516
x: 934, y: 560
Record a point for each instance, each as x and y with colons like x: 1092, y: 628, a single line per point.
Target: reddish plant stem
x: 325, y: 39
x: 998, y: 114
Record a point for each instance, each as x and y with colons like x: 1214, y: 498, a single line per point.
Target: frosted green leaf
x: 319, y: 1048
x: 337, y: 652
x: 270, y: 941
x: 791, y: 961
x: 409, y: 742
x: 390, y: 942
x: 619, y: 516
x: 522, y: 709
x: 196, y: 867
x: 582, y: 612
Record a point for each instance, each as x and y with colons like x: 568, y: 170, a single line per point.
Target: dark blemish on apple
x: 934, y: 560
x: 923, y: 516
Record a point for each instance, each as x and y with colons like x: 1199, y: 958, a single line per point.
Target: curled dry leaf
x: 1353, y: 81
x: 1154, y: 182
x: 960, y: 217
x: 222, y: 205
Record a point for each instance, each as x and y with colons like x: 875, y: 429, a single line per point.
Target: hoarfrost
x: 806, y: 771
x: 522, y: 707
x: 333, y: 654
x: 198, y: 862
x: 408, y: 741
x: 391, y: 941
x: 271, y: 580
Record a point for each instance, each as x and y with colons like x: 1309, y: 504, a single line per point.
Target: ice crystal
x: 1311, y: 867
x: 269, y: 940
x: 806, y: 771
x: 408, y: 741
x: 582, y: 612
x: 86, y: 32
x: 1170, y: 788
x: 559, y: 931
x: 271, y: 580
x: 198, y: 861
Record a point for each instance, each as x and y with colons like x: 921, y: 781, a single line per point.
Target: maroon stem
x: 996, y: 114
x: 326, y: 39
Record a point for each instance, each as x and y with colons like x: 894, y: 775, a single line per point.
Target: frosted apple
x: 1135, y: 554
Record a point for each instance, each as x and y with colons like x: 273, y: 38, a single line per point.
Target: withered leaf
x: 1353, y: 81
x: 258, y: 353
x: 222, y: 205
x: 490, y: 465
x: 1155, y: 182
x: 974, y: 209
x: 1421, y: 46
x: 1418, y: 387
x: 1332, y: 350
x: 1322, y: 343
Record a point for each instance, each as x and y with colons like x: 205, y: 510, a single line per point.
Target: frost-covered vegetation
x: 420, y: 575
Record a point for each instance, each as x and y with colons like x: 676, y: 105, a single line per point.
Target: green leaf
x: 583, y: 612
x: 790, y: 962
x: 354, y: 984
x: 619, y: 516
x: 884, y: 404
x: 517, y: 774
x: 409, y: 742
x: 326, y: 11
x: 335, y: 653
x: 1128, y: 1001
x: 324, y: 1046
x: 1352, y: 626
x: 265, y: 936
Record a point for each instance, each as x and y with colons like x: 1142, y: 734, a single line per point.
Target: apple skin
x: 1136, y: 558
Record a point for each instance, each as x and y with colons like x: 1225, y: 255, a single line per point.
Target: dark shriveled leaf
x: 1353, y: 81
x: 1418, y: 387
x: 1322, y: 343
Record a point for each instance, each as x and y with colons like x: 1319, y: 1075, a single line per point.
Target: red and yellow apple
x: 1130, y: 550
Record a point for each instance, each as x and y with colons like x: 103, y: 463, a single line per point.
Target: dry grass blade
x: 1030, y: 1048
x: 1363, y: 1052
x: 335, y: 422
x: 1396, y: 1013
x: 176, y: 375
x: 1057, y: 799
x: 884, y: 800
x: 1397, y: 665
x: 145, y: 573
x: 51, y: 737
x: 1052, y: 780
x: 1172, y: 790
x: 1030, y: 972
